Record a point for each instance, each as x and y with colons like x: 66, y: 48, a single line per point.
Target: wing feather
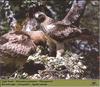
x: 61, y: 32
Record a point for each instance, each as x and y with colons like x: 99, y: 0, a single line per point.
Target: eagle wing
x: 61, y: 32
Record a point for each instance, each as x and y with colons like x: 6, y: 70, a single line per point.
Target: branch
x: 9, y: 14
x: 76, y: 12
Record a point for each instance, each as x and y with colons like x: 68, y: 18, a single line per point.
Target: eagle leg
x: 60, y: 49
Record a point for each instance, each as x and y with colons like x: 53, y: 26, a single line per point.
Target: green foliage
x: 90, y: 20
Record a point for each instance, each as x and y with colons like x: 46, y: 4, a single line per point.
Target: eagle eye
x: 40, y: 17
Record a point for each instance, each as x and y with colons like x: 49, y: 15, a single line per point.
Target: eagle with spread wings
x: 60, y: 31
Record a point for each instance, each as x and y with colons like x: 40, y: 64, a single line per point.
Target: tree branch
x: 9, y: 14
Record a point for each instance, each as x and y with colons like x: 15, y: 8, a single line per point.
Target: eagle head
x: 40, y: 16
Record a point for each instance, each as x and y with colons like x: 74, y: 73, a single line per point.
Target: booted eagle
x: 15, y: 48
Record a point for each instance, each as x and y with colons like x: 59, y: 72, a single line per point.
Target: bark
x: 1, y: 21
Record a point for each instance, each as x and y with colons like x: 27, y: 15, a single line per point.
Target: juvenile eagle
x: 57, y: 32
x: 15, y: 48
x: 60, y: 31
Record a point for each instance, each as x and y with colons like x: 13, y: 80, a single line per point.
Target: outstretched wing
x: 61, y: 32
x: 75, y: 12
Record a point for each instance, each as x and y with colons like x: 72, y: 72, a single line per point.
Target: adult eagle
x: 60, y: 31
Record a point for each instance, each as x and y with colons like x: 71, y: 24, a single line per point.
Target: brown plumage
x: 40, y: 38
x: 75, y: 13
x: 62, y: 32
x: 57, y: 32
x: 15, y: 48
